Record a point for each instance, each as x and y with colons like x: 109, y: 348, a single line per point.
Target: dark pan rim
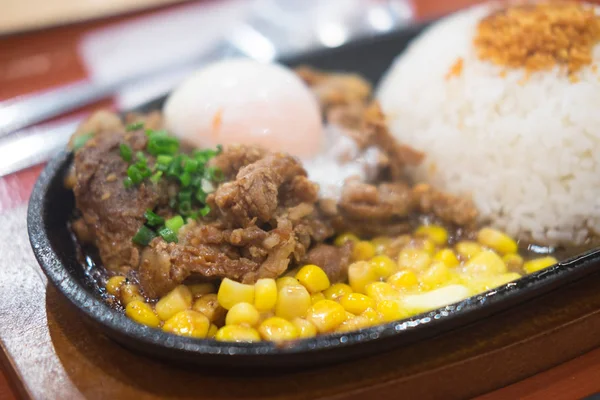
x: 452, y: 315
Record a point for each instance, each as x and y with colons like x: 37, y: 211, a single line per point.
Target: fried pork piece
x: 265, y: 219
x: 335, y: 89
x: 110, y: 214
x: 386, y: 208
x: 333, y: 260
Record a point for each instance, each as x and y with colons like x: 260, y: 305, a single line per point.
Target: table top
x: 38, y: 60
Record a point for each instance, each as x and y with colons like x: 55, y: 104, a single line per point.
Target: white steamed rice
x: 527, y: 152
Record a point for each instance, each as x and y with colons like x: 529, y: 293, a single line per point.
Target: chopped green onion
x: 219, y: 149
x: 159, y: 144
x: 196, y: 181
x: 174, y: 223
x: 185, y: 207
x: 191, y: 165
x: 168, y: 235
x: 175, y: 167
x: 194, y: 214
x: 126, y: 152
x: 156, y: 177
x: 143, y: 236
x: 164, y: 159
x: 201, y: 195
x: 172, y: 202
x: 185, y: 179
x: 127, y: 182
x: 141, y: 157
x: 185, y: 195
x: 207, y: 186
x: 153, y: 218
x: 134, y: 173
x: 81, y: 140
x: 205, y: 210
x: 135, y: 126
x: 214, y: 174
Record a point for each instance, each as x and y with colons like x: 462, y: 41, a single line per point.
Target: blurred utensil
x: 275, y: 29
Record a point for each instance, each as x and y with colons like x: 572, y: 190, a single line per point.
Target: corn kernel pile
x: 389, y: 279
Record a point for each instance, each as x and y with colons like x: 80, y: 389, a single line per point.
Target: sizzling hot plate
x: 51, y: 205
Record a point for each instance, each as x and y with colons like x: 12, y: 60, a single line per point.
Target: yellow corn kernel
x: 486, y: 262
x: 448, y: 257
x: 356, y: 303
x: 237, y: 333
x: 354, y: 324
x: 242, y: 314
x: 188, y: 323
x: 176, y: 300
x: 265, y: 315
x: 326, y: 315
x: 415, y: 259
x: 286, y: 281
x: 142, y: 313
x: 360, y: 274
x: 480, y: 284
x: 467, y: 249
x: 381, y: 244
x: 538, y: 264
x: 130, y: 292
x: 313, y: 278
x: 232, y: 292
x: 436, y: 275
x: 337, y: 290
x: 305, y: 328
x: 212, y: 331
x: 383, y: 266
x: 198, y: 289
x: 363, y: 250
x: 316, y: 297
x: 209, y: 306
x: 391, y: 310
x: 113, y: 285
x: 345, y: 237
x: 496, y: 240
x: 278, y: 329
x: 372, y: 315
x: 513, y: 261
x: 265, y: 294
x: 381, y: 291
x: 404, y: 279
x: 437, y: 234
x: 292, y: 302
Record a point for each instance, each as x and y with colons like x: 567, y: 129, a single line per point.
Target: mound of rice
x: 527, y: 149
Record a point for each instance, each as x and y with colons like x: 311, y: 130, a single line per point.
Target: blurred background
x: 62, y: 59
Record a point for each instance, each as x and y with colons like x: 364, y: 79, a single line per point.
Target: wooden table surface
x: 21, y: 73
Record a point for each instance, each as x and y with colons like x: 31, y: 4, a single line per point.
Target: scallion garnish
x: 127, y: 182
x: 185, y: 179
x: 134, y: 126
x: 204, y: 211
x: 185, y: 207
x: 156, y: 177
x: 126, y: 152
x: 159, y: 144
x: 168, y: 235
x: 174, y: 223
x: 81, y: 140
x: 153, y: 219
x: 134, y: 173
x: 143, y: 236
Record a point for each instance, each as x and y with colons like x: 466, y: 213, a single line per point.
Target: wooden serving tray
x: 52, y: 354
